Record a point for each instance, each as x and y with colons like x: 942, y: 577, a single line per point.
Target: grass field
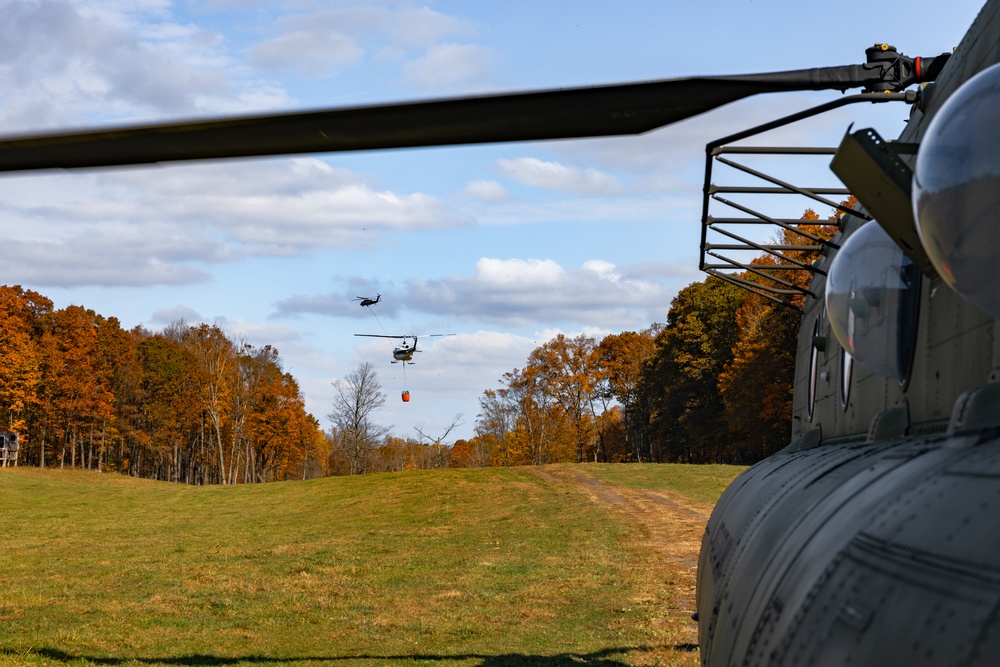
x: 484, y: 567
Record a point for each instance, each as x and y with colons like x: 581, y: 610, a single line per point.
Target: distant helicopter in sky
x: 367, y: 300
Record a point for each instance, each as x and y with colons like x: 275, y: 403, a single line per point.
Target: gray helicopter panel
x: 872, y: 540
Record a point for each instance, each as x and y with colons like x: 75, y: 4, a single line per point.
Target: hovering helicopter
x: 871, y: 539
x: 403, y: 353
x: 367, y: 300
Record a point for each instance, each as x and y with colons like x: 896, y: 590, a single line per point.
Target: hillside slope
x: 469, y: 566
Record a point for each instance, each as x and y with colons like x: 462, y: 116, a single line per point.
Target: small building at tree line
x: 9, y: 446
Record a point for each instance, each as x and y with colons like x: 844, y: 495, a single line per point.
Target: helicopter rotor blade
x: 610, y: 110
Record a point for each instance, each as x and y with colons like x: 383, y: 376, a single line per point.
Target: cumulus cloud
x: 555, y: 176
x: 311, y: 53
x: 167, y: 226
x: 95, y: 258
x: 486, y: 190
x: 518, y: 273
x: 111, y: 62
x: 518, y: 291
x: 341, y: 304
x: 449, y: 66
x: 423, y: 27
x: 515, y: 292
x: 178, y: 313
x: 324, y: 42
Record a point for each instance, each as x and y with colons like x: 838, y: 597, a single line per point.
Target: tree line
x: 185, y: 404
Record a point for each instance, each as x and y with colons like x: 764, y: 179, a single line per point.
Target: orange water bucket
x: 406, y: 396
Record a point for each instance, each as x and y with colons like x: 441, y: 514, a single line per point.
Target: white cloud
x: 165, y: 225
x: 423, y: 27
x: 164, y: 316
x: 518, y: 291
x: 555, y: 176
x: 108, y: 62
x: 487, y: 190
x: 312, y: 53
x: 604, y: 269
x: 325, y: 42
x: 514, y: 292
x: 518, y: 273
x: 98, y: 257
x: 450, y: 66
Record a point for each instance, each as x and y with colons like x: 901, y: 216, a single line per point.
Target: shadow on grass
x: 597, y: 659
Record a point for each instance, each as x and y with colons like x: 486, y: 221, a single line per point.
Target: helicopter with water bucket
x: 403, y: 353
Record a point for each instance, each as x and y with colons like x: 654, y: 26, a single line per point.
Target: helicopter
x: 871, y: 537
x: 403, y: 353
x: 367, y: 300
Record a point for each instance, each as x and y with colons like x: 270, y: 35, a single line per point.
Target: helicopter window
x: 813, y: 370
x: 846, y: 364
x: 956, y: 191
x: 873, y: 297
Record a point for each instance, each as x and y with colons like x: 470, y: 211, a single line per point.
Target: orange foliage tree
x: 81, y: 391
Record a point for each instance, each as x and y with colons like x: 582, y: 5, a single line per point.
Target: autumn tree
x: 282, y: 440
x: 75, y: 391
x: 758, y: 384
x: 564, y: 368
x: 356, y: 398
x: 165, y: 437
x: 20, y: 372
x: 623, y: 359
x: 538, y: 436
x: 495, y: 425
x: 436, y: 444
x: 463, y: 454
x: 117, y: 351
x: 186, y: 404
x: 687, y: 412
x: 215, y: 357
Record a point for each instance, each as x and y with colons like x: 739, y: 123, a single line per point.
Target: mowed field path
x: 665, y: 525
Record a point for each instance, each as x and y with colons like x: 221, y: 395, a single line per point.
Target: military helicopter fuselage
x: 872, y: 538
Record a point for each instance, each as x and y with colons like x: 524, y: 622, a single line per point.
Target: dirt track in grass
x: 667, y: 526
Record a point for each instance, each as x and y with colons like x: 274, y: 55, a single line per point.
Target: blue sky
x: 503, y: 245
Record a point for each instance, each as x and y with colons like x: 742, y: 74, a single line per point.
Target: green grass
x: 701, y: 484
x: 458, y: 567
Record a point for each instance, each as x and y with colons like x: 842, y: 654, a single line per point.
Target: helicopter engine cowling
x: 824, y: 556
